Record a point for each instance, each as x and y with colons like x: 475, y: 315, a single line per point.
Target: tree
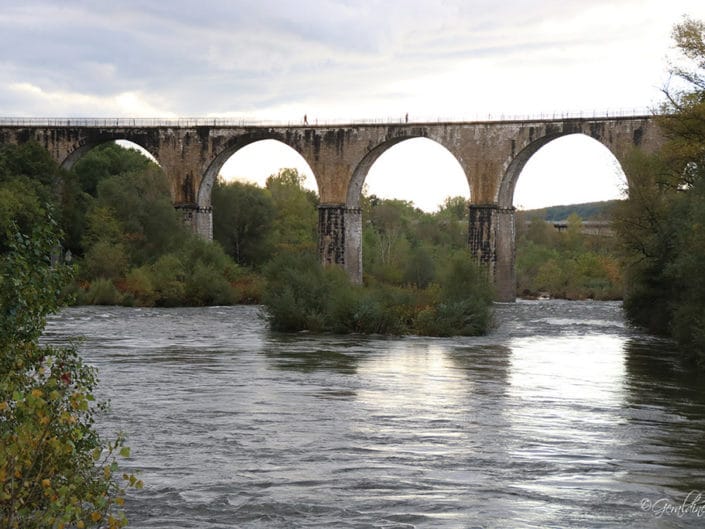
x: 55, y: 470
x: 108, y: 159
x: 661, y: 225
x: 29, y: 183
x: 455, y: 207
x: 243, y: 219
x: 296, y: 217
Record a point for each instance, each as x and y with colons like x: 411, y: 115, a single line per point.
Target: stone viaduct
x: 492, y: 154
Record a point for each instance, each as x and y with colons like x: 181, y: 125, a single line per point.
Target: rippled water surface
x: 562, y: 417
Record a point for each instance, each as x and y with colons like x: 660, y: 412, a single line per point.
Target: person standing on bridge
x: 305, y: 119
x: 406, y: 118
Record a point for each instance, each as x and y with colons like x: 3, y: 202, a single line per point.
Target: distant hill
x: 586, y: 211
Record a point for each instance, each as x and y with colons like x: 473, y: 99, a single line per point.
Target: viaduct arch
x: 491, y: 153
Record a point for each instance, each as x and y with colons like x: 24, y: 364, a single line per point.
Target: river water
x: 562, y: 417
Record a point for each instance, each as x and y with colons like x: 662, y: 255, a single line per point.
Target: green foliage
x: 243, y: 219
x: 463, y: 306
x: 455, y: 208
x: 661, y: 225
x: 402, y: 245
x: 298, y: 292
x: 29, y: 181
x: 108, y: 160
x: 105, y: 260
x: 30, y: 286
x: 19, y: 205
x: 139, y: 287
x: 568, y: 264
x: 296, y: 221
x: 302, y: 295
x: 420, y: 269
x: 168, y: 276
x: 131, y: 246
x: 141, y: 206
x: 210, y: 274
x: 32, y: 164
x: 55, y: 470
x: 102, y: 291
x: 253, y: 223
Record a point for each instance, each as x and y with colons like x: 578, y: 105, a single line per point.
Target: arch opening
x: 253, y: 158
x: 565, y: 189
x: 119, y: 208
x: 407, y: 208
x: 263, y: 201
x: 117, y: 156
x: 417, y: 170
x: 126, y: 143
x: 569, y: 169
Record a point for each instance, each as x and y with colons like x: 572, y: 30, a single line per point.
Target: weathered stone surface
x: 353, y: 243
x: 331, y: 233
x: 492, y: 154
x: 491, y: 241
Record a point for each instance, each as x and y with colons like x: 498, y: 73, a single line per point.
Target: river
x: 562, y: 417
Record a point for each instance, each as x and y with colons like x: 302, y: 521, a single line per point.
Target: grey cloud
x: 218, y: 55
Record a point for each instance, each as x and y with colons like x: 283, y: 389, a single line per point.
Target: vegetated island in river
x: 300, y: 294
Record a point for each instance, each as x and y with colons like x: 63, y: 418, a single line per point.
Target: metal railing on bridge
x: 10, y: 121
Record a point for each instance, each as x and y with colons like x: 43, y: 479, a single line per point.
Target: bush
x: 249, y: 288
x: 206, y: 286
x: 102, y: 292
x: 138, y: 284
x: 168, y: 278
x: 105, y: 260
x: 463, y: 307
x: 55, y: 470
x: 366, y: 311
x: 302, y: 295
x: 297, y: 293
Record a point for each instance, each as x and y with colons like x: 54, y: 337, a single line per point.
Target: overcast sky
x: 343, y: 59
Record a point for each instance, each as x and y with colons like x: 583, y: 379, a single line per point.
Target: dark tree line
x: 662, y: 225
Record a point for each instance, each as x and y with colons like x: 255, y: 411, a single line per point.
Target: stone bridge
x: 492, y: 154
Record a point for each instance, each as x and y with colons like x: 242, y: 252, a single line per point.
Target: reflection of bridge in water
x: 491, y: 153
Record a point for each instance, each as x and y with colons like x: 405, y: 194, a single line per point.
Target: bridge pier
x: 198, y: 219
x: 340, y: 238
x: 491, y: 233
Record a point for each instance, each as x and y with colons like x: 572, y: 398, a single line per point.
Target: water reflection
x: 665, y: 407
x: 561, y: 418
x: 308, y: 361
x: 568, y: 371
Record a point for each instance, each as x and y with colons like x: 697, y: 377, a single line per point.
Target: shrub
x: 302, y: 295
x: 138, y: 284
x: 105, y: 260
x: 207, y: 286
x: 55, y: 470
x: 168, y: 278
x: 249, y: 288
x: 464, y: 302
x: 103, y: 292
x: 296, y: 294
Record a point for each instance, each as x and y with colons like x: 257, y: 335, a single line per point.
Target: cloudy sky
x: 335, y: 60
